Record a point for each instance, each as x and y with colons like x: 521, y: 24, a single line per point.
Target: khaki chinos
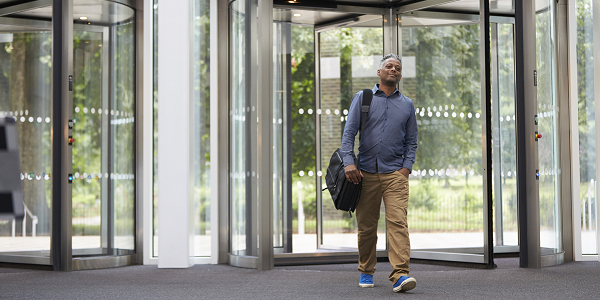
x: 393, y: 187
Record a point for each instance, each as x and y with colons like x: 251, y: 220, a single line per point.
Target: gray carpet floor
x: 574, y: 280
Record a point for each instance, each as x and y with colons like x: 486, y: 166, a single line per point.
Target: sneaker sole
x: 366, y: 285
x: 406, y: 285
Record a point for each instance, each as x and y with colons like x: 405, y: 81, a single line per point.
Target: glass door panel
x: 504, y: 142
x: 25, y: 81
x: 89, y: 130
x: 349, y: 59
x: 103, y: 201
x: 244, y: 128
x: 280, y: 99
x: 586, y: 129
x: 239, y: 117
x: 123, y: 133
x: 302, y: 129
x: 441, y: 74
x: 104, y: 133
x: 304, y: 188
x: 550, y: 224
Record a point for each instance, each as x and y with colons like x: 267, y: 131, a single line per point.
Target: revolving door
x: 461, y: 208
x: 69, y: 81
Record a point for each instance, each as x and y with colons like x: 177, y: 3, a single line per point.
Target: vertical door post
x: 62, y: 110
x: 527, y: 152
x: 486, y: 110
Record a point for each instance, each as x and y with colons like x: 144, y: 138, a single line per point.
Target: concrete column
x: 175, y: 221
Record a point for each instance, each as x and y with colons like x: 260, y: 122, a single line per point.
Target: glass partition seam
x: 142, y: 127
x: 106, y: 104
x: 596, y: 51
x: 221, y: 195
x: 134, y: 144
x: 110, y: 212
x: 563, y: 171
x: 486, y: 95
x: 287, y: 141
x: 154, y: 210
x: 318, y: 159
x: 265, y: 152
x: 574, y: 127
x: 497, y: 138
x: 252, y: 128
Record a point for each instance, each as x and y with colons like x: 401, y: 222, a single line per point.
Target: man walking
x: 387, y: 153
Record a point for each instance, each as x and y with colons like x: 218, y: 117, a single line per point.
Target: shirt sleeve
x: 350, y: 130
x: 410, y: 140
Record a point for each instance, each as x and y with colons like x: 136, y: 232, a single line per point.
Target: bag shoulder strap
x: 367, y: 98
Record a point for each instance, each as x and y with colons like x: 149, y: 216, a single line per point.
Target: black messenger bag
x: 344, y: 193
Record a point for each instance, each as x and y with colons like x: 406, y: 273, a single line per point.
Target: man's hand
x: 353, y: 174
x: 403, y: 171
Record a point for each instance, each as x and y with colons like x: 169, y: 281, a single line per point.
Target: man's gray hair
x: 391, y: 55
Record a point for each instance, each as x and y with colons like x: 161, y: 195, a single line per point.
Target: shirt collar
x: 376, y: 88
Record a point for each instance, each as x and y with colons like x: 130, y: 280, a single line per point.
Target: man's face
x: 390, y: 72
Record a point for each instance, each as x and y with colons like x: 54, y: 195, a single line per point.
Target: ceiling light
x: 297, y: 15
x: 82, y: 18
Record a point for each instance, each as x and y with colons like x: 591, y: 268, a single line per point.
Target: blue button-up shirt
x: 390, y: 135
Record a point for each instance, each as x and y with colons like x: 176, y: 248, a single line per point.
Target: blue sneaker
x: 404, y: 284
x: 366, y: 281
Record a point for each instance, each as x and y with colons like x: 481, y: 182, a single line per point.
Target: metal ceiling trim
x: 23, y: 7
x: 422, y: 5
x: 355, y: 20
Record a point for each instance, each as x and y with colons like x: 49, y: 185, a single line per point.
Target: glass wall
x: 104, y: 133
x: 155, y: 129
x: 103, y: 145
x: 441, y: 74
x: 587, y: 128
x: 252, y: 175
x: 25, y: 94
x: 349, y: 61
x: 550, y: 224
x: 90, y: 162
x: 201, y: 130
x: 504, y: 141
x: 242, y: 129
x: 304, y: 191
x: 123, y: 134
x: 281, y: 102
